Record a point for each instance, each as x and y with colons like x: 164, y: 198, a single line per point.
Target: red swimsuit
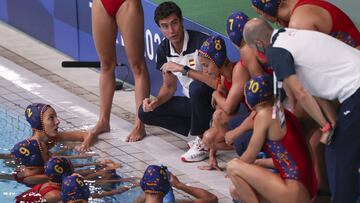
x: 21, y: 179
x: 112, y: 6
x: 343, y: 28
x: 228, y: 84
x: 35, y: 194
x: 291, y: 155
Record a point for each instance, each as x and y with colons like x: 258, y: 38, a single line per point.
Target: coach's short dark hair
x: 165, y: 9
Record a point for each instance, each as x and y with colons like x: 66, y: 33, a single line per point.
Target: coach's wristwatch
x: 185, y: 70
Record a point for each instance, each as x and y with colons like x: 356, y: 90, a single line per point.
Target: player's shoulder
x: 264, y: 116
x: 309, y: 17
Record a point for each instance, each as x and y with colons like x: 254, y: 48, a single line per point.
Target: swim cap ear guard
x: 258, y: 90
x: 269, y: 7
x: 155, y: 180
x: 57, y: 168
x: 235, y: 26
x: 28, y: 153
x: 214, y: 48
x: 34, y: 115
x: 74, y: 189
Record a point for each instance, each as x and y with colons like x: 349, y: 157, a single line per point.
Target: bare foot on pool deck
x: 137, y: 134
x: 93, y: 135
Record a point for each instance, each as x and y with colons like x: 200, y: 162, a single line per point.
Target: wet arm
x: 36, y: 179
x: 239, y: 77
x: 80, y: 156
x: 101, y: 172
x: 201, y: 195
x: 262, y: 123
x: 6, y: 176
x: 76, y: 135
x: 249, y: 58
x: 87, y: 164
x: 246, y: 125
x: 266, y: 163
x: 121, y: 180
x: 6, y: 156
x: 114, y: 192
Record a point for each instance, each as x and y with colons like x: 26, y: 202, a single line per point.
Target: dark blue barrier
x: 3, y: 11
x: 152, y: 36
x: 52, y: 22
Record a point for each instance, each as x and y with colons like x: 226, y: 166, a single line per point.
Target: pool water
x: 14, y: 128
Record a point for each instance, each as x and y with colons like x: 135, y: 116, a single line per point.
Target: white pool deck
x: 31, y: 72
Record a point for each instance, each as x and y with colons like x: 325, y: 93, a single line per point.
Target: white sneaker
x: 192, y: 142
x: 197, y: 152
